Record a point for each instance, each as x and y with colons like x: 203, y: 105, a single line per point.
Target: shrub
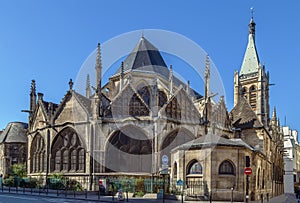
x: 139, y: 185
x: 56, y: 183
x: 9, y: 182
x: 28, y: 182
x: 74, y: 185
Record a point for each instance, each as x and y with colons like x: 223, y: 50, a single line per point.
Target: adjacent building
x: 291, y: 159
x: 13, y: 146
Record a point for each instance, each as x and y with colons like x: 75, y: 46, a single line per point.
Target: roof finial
x: 252, y: 11
x: 71, y: 84
x: 252, y: 23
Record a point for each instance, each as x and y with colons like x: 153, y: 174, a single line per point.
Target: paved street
x: 12, y: 198
x: 6, y: 197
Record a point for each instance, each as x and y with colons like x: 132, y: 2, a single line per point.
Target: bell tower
x: 253, y: 82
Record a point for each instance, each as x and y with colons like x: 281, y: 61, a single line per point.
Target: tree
x: 19, y: 170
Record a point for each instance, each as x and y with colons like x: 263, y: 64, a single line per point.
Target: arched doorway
x: 129, y: 150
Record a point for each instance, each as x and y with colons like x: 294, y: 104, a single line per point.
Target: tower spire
x: 32, y: 96
x: 171, y: 81
x: 207, y: 78
x: 98, y: 68
x: 98, y: 95
x: 88, y: 86
x: 122, y: 76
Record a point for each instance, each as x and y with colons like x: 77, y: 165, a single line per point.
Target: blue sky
x: 49, y: 40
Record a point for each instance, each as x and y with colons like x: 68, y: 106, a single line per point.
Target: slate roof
x: 251, y: 61
x: 243, y: 115
x: 211, y: 140
x: 146, y: 57
x: 15, y: 132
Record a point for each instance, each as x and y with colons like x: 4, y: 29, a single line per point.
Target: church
x: 124, y: 127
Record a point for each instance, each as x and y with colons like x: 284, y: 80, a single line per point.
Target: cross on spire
x: 252, y: 11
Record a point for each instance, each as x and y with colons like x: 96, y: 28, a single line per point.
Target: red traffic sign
x: 248, y: 171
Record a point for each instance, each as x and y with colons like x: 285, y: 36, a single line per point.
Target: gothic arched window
x: 67, y: 152
x: 162, y: 98
x: 58, y: 161
x: 252, y: 99
x: 37, y: 154
x: 226, y: 167
x: 175, y: 171
x: 145, y: 94
x: 74, y: 160
x: 195, y: 168
x: 137, y: 107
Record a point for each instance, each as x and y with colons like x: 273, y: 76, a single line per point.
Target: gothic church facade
x: 144, y: 111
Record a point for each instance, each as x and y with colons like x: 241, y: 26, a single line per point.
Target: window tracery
x: 67, y: 152
x: 37, y: 154
x: 226, y: 167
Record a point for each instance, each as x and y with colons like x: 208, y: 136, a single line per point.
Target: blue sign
x: 180, y: 182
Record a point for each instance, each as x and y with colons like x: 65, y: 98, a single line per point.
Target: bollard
x: 74, y: 193
x: 23, y: 190
x: 57, y: 192
x: 31, y: 190
x: 127, y: 195
x: 17, y: 189
x: 66, y: 192
x: 85, y: 191
x: 9, y: 189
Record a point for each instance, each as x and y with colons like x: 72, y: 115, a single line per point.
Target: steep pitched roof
x: 243, y: 116
x: 251, y: 61
x: 145, y: 57
x: 15, y: 132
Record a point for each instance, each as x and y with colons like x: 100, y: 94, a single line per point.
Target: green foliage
x: 8, y: 182
x: 74, y: 185
x: 19, y: 170
x: 56, y: 175
x: 56, y: 183
x: 139, y: 194
x: 28, y: 182
x: 139, y: 185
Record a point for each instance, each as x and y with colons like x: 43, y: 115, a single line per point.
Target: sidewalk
x: 93, y: 196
